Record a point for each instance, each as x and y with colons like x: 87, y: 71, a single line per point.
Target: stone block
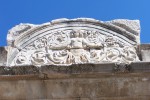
x: 3, y: 56
x: 145, y: 55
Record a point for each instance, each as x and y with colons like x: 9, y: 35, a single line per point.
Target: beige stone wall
x: 131, y: 86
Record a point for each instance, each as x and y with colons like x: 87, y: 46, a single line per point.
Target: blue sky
x: 13, y: 12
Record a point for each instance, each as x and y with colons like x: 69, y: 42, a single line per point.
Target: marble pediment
x: 74, y: 41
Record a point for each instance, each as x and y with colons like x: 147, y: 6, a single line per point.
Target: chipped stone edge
x: 11, y: 37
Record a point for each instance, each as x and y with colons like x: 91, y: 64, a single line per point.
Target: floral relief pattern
x: 76, y: 46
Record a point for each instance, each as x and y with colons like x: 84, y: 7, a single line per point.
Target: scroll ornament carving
x: 76, y: 46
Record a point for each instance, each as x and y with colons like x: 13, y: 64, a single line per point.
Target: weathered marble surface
x: 74, y: 41
x: 3, y: 56
x: 145, y: 52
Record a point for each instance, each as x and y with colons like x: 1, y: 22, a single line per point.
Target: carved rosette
x: 73, y: 46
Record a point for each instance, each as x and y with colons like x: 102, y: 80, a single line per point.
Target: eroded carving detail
x: 40, y: 43
x: 21, y: 58
x: 16, y: 31
x: 58, y: 40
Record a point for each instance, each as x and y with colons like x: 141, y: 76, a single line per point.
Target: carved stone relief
x: 73, y: 47
x: 74, y: 41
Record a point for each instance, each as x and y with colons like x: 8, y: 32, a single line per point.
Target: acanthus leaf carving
x: 38, y: 58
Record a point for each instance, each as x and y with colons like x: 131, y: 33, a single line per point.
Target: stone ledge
x: 103, y: 98
x: 135, y: 67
